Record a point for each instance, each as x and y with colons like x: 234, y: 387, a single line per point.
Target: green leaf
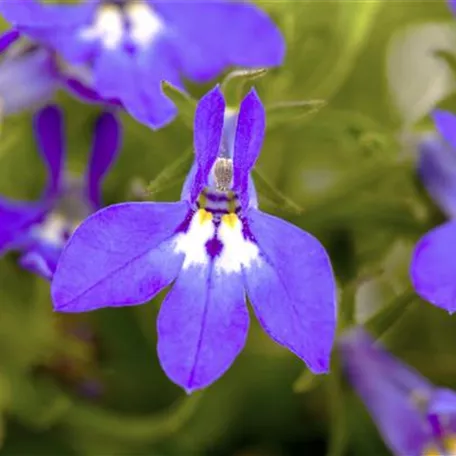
x: 284, y: 112
x: 306, y: 382
x: 235, y: 83
x: 186, y: 105
x: 172, y: 174
x: 87, y: 419
x: 389, y: 315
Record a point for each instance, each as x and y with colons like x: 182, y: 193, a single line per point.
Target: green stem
x: 117, y: 426
x: 338, y: 434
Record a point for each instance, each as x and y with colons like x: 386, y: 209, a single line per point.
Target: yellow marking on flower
x: 204, y: 216
x: 230, y: 220
x: 449, y: 444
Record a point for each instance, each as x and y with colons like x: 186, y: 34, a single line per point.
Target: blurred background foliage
x: 358, y: 82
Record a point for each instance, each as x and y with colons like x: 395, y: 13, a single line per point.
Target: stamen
x: 223, y: 174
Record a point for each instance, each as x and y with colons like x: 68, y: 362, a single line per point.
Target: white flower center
x: 113, y: 23
x: 234, y: 251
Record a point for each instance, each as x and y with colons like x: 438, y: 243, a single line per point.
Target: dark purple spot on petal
x: 213, y: 247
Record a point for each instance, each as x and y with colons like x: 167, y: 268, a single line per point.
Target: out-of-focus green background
x: 344, y: 173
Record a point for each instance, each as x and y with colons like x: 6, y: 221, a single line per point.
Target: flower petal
x: 119, y: 256
x: 433, y: 267
x: 292, y: 289
x: 437, y: 170
x: 452, y: 5
x: 204, y: 49
x: 8, y: 38
x: 202, y: 326
x: 106, y: 145
x: 41, y: 259
x: 119, y: 76
x: 443, y: 402
x: 247, y: 146
x: 445, y: 123
x: 32, y: 13
x: 383, y: 383
x: 17, y: 218
x: 208, y: 130
x: 48, y: 125
x: 27, y: 81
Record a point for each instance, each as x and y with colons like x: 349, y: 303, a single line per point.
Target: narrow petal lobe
x: 107, y: 141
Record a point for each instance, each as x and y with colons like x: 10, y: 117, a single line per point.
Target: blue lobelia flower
x: 40, y: 229
x: 132, y: 45
x: 433, y: 266
x: 216, y: 246
x: 414, y: 417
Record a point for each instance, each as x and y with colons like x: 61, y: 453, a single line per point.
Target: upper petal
x: 106, y: 145
x: 213, y: 35
x: 202, y: 326
x: 437, y: 170
x: 206, y: 138
x: 387, y: 387
x: 8, y: 38
x: 292, y: 289
x: 250, y: 129
x: 48, y: 125
x: 433, y: 267
x: 445, y: 123
x: 121, y: 255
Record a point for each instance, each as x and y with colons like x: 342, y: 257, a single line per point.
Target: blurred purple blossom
x: 40, y: 229
x: 414, y: 417
x: 130, y: 46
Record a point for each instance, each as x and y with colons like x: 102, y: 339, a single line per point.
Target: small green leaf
x: 284, y: 112
x: 184, y: 102
x: 88, y: 419
x: 306, y: 382
x: 389, y: 315
x: 173, y: 173
x: 274, y: 195
x: 234, y: 84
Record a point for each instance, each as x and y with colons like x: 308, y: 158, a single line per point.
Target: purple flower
x: 28, y: 75
x: 414, y: 417
x: 132, y: 45
x: 433, y: 267
x: 215, y: 246
x: 39, y: 230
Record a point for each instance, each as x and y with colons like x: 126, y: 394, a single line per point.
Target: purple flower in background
x: 216, y: 246
x: 28, y: 74
x: 39, y: 230
x: 132, y: 45
x: 414, y: 417
x: 433, y: 267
